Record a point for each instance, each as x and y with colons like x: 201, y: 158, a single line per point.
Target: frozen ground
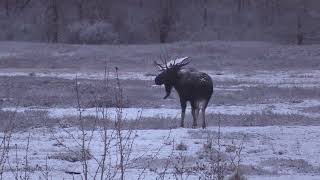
x: 268, y: 152
x: 302, y: 78
x: 266, y: 95
x: 134, y: 113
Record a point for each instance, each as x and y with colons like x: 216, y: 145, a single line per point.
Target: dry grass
x: 74, y: 155
x: 181, y: 146
x: 24, y: 120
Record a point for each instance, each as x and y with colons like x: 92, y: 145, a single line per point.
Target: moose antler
x: 163, y: 65
x: 160, y: 66
x: 164, y: 58
x: 179, y: 62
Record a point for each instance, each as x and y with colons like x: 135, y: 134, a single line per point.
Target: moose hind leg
x: 194, y: 117
x: 203, y: 106
x: 195, y: 113
x: 203, y: 113
x: 197, y: 116
x: 183, y: 112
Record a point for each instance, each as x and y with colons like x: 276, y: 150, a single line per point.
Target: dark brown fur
x: 191, y: 85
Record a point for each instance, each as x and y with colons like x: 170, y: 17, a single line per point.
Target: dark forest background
x: 154, y: 21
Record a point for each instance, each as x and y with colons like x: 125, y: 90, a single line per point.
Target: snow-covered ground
x: 267, y: 149
x: 80, y: 75
x: 134, y: 113
x: 237, y: 68
x: 302, y: 78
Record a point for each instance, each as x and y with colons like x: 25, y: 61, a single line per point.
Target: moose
x: 192, y: 86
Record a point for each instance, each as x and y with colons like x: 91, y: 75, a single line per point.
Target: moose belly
x: 191, y: 93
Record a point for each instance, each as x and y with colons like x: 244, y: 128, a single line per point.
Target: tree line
x: 159, y: 21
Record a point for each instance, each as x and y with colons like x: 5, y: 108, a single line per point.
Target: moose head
x: 169, y: 73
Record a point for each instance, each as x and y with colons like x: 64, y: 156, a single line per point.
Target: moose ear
x: 183, y: 60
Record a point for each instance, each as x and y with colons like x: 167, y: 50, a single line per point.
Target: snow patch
x: 306, y: 79
x: 4, y: 54
x: 260, y: 144
x: 134, y: 113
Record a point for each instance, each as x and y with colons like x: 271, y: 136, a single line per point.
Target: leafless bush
x: 20, y: 168
x: 72, y: 155
x: 237, y: 175
x: 114, y: 137
x: 5, y: 142
x: 217, y: 159
x: 182, y: 168
x: 181, y: 146
x: 45, y: 172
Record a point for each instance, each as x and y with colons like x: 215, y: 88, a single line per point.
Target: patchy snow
x: 134, y: 113
x: 63, y: 54
x: 306, y: 79
x: 273, y: 78
x: 259, y: 145
x: 6, y: 54
x: 82, y: 75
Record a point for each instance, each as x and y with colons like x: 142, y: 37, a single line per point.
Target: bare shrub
x: 237, y: 175
x: 72, y: 155
x: 217, y: 160
x: 115, y: 137
x: 5, y: 142
x: 181, y: 146
x: 21, y: 168
x: 45, y: 172
x: 182, y: 168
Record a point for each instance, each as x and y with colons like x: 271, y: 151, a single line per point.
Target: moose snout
x: 158, y: 81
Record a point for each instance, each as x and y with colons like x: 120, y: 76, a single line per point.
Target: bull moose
x: 191, y: 85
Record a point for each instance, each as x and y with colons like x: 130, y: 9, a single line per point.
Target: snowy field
x: 133, y: 113
x: 266, y: 100
x: 275, y: 152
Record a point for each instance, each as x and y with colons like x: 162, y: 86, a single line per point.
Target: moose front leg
x: 183, y: 111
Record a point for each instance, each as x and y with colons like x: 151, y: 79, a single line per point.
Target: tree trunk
x: 6, y: 7
x: 300, y: 36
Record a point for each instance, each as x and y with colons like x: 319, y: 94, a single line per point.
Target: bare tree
x: 80, y: 8
x: 166, y: 19
x: 240, y: 5
x: 300, y: 35
x: 302, y: 11
x: 205, y: 13
x: 52, y: 20
x: 6, y: 7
